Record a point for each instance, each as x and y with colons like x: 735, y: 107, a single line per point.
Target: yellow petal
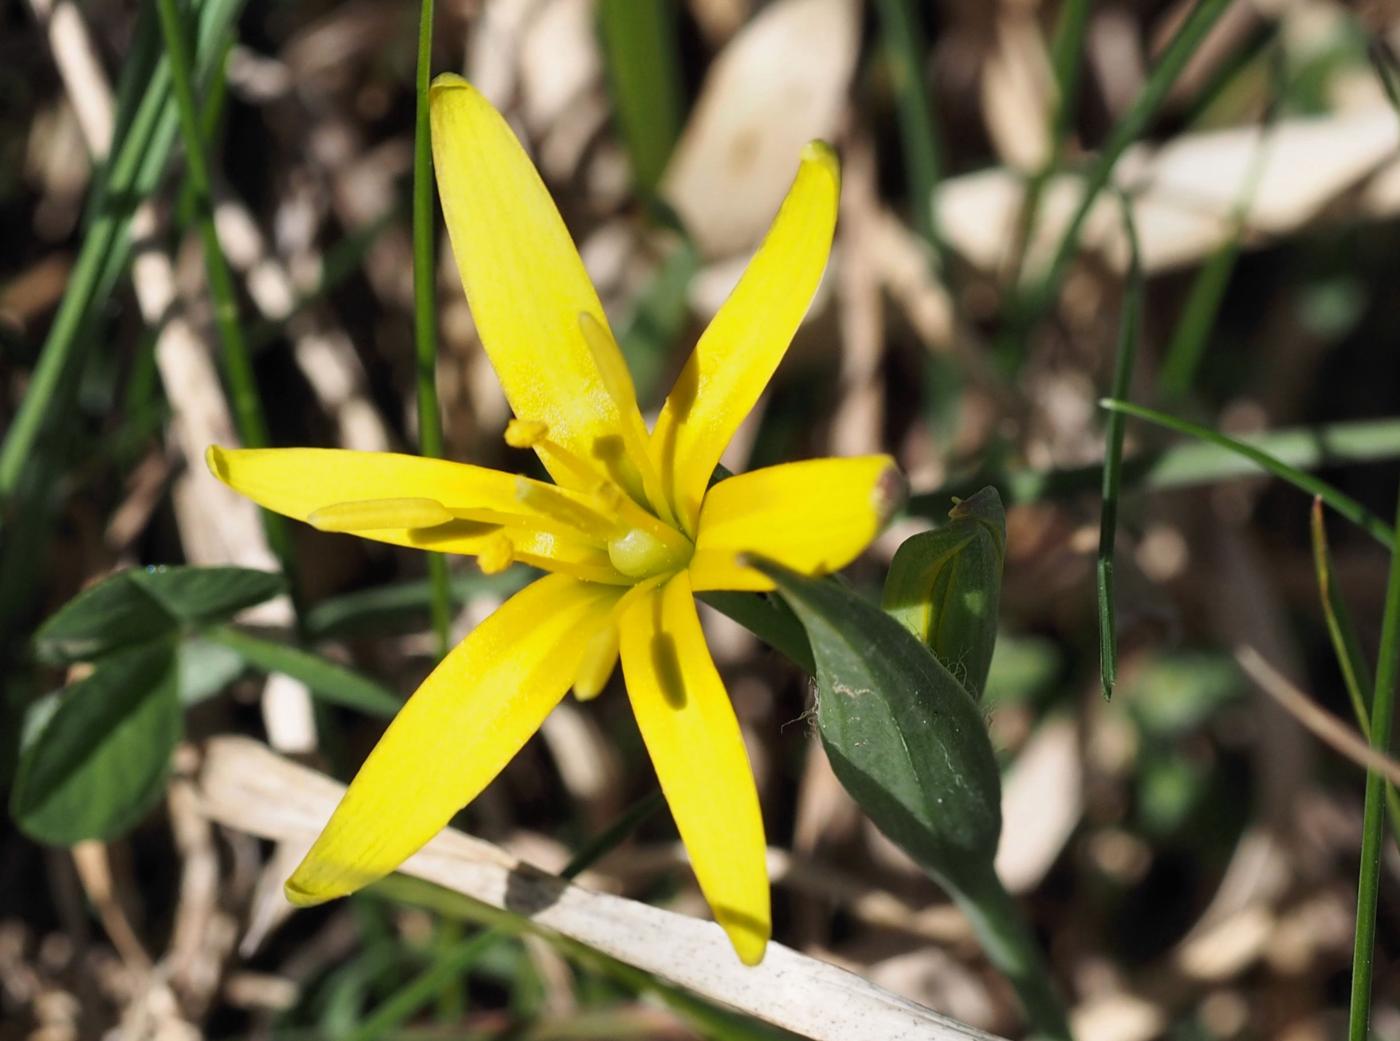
x: 690, y: 731
x: 452, y: 737
x: 524, y: 280
x: 814, y: 517
x: 333, y: 485
x: 742, y: 347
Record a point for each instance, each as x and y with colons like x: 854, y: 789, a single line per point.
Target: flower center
x: 640, y: 554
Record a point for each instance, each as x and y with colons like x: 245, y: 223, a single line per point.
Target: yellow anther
x: 497, y: 555
x: 525, y: 433
x: 618, y: 383
x: 599, y: 660
x: 380, y: 515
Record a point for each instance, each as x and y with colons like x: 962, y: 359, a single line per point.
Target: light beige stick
x: 247, y: 786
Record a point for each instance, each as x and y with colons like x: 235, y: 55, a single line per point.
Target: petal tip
x: 890, y: 492
x: 298, y: 894
x: 747, y: 935
x: 216, y: 459
x: 821, y: 154
x: 445, y: 81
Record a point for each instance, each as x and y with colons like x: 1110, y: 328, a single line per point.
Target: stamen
x: 525, y: 433
x: 554, y: 503
x: 618, y: 383
x: 380, y: 514
x: 497, y: 555
x: 529, y: 522
x: 599, y: 660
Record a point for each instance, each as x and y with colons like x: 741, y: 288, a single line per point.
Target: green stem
x: 1185, y: 465
x: 425, y: 326
x: 238, y: 364
x: 1356, y: 674
x: 1113, y: 459
x: 1065, y: 50
x: 1010, y: 946
x: 902, y: 39
x: 1135, y: 121
x: 1368, y: 883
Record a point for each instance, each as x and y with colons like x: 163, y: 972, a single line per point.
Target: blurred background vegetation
x: 1187, y: 851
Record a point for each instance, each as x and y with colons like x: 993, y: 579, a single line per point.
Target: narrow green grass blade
x: 1356, y: 674
x: 1187, y: 345
x: 1188, y: 341
x: 451, y: 964
x: 1183, y: 465
x: 327, y: 680
x: 903, y: 42
x: 640, y: 51
x: 238, y: 363
x: 425, y: 326
x: 657, y: 319
x: 1134, y: 122
x: 1067, y: 59
x: 1387, y: 67
x: 1335, y: 498
x: 130, y: 175
x: 1368, y: 882
x: 1113, y: 458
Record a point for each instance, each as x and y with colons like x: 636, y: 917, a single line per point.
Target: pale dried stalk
x: 217, y: 526
x: 246, y: 786
x: 323, y: 353
x: 1323, y: 725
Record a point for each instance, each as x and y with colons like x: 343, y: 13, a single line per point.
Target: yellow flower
x: 628, y: 530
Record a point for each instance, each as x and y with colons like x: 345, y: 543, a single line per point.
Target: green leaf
x: 768, y: 618
x: 640, y: 51
x: 903, y: 736
x: 205, y: 669
x: 144, y: 604
x: 327, y: 680
x: 404, y: 607
x: 944, y: 586
x: 99, y: 764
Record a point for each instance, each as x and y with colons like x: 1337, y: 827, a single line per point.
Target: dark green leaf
x: 327, y: 680
x: 100, y: 762
x: 201, y: 595
x: 903, y: 736
x: 115, y: 613
x: 944, y: 586
x: 143, y: 604
x: 205, y: 669
x: 768, y: 618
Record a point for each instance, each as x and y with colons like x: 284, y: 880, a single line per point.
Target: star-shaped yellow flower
x: 629, y: 530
